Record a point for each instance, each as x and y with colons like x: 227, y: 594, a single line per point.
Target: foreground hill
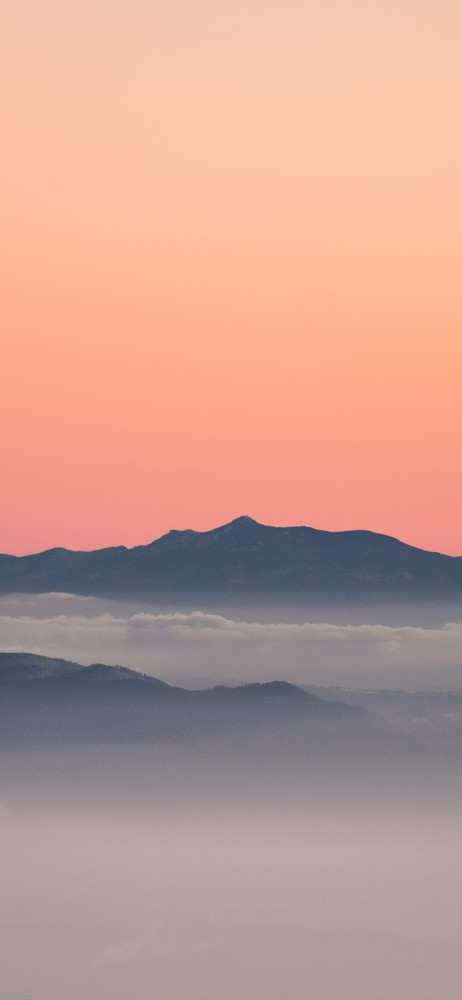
x: 246, y: 561
x: 57, y: 704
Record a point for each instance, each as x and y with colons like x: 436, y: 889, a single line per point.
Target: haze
x: 114, y: 884
x: 232, y: 240
x: 198, y: 647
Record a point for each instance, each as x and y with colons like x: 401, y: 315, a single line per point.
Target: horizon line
x: 227, y: 524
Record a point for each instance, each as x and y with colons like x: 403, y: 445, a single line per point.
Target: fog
x: 336, y: 887
x: 154, y: 848
x: 197, y: 647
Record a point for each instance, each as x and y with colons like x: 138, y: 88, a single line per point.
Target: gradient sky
x: 232, y: 242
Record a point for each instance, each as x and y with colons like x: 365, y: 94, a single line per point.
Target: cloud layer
x: 208, y: 647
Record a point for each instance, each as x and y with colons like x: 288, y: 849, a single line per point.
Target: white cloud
x: 199, y: 644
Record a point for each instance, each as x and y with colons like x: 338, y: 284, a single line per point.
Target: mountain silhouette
x: 57, y: 704
x: 43, y: 674
x: 245, y: 561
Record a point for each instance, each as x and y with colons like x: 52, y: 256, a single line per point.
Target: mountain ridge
x: 242, y: 521
x: 31, y: 669
x: 244, y: 560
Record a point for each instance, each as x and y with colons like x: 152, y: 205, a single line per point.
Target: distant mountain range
x: 51, y: 704
x: 43, y: 675
x: 245, y: 561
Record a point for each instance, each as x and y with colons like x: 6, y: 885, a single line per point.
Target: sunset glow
x: 232, y: 245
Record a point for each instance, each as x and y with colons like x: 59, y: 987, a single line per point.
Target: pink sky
x: 232, y: 239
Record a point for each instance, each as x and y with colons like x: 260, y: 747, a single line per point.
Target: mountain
x: 43, y: 675
x: 60, y: 705
x: 243, y: 562
x: 435, y: 715
x: 19, y: 668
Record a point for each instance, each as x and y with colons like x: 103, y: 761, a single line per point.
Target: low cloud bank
x: 201, y: 647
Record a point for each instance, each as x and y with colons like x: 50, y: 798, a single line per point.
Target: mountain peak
x: 244, y: 561
x: 244, y: 521
x: 177, y: 538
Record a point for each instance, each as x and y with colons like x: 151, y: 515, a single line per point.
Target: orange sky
x: 231, y: 247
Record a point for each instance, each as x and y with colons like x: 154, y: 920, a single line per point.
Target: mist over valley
x: 212, y: 796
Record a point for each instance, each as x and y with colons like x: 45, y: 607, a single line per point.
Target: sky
x: 231, y: 248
